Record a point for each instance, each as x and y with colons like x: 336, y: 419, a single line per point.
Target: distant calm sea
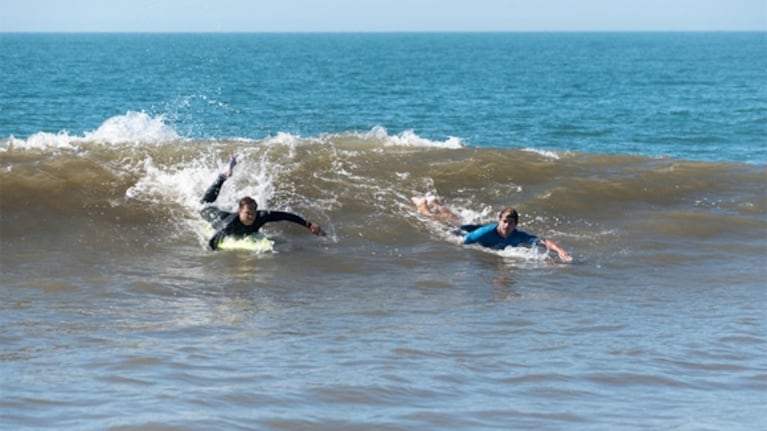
x: 643, y: 154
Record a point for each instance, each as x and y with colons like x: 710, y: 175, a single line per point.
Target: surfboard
x: 254, y: 243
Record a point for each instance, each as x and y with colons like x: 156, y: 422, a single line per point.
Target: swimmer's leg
x: 421, y: 206
x: 446, y: 216
x: 432, y: 208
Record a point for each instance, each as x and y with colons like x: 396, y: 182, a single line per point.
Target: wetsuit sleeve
x: 211, y: 194
x: 477, y: 233
x: 528, y: 240
x: 213, y: 243
x: 223, y: 227
x: 470, y: 227
x: 271, y: 216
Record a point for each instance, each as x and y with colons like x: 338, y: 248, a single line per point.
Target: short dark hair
x: 510, y: 211
x: 248, y: 201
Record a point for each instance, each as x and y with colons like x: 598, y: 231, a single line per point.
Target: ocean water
x: 642, y: 154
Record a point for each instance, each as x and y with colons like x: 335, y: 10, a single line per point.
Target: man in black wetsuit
x: 248, y: 219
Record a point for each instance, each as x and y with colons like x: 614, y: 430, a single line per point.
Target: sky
x: 380, y: 15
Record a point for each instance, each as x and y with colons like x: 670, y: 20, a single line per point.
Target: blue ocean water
x: 699, y: 96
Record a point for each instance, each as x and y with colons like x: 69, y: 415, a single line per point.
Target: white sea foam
x: 42, y: 140
x: 545, y: 153
x: 409, y: 138
x: 184, y: 184
x: 133, y: 127
x: 283, y: 138
x: 137, y: 127
x: 142, y: 128
x: 523, y: 254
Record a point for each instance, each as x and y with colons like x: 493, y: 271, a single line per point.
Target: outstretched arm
x: 211, y: 194
x: 564, y: 256
x: 272, y: 216
x: 215, y: 239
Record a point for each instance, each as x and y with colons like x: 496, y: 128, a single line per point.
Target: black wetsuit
x: 228, y: 223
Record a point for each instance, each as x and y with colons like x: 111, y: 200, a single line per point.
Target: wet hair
x: 511, y: 212
x: 248, y: 201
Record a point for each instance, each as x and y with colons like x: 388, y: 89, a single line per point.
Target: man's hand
x: 316, y: 229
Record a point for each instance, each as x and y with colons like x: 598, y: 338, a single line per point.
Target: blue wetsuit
x: 487, y: 236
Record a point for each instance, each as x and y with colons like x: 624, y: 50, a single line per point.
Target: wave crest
x: 131, y: 128
x: 134, y: 127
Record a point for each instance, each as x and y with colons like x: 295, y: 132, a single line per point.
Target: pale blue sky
x: 379, y: 15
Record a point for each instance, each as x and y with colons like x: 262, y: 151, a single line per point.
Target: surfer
x: 248, y: 219
x: 498, y: 235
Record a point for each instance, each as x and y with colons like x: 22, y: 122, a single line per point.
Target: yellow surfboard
x: 254, y: 243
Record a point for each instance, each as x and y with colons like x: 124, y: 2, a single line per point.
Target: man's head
x: 247, y: 210
x: 507, y: 221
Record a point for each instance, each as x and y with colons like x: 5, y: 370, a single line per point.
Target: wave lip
x: 133, y: 127
x: 409, y: 138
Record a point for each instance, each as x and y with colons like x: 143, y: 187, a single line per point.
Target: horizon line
x: 379, y: 31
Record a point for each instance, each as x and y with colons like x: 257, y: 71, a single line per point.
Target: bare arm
x: 564, y: 256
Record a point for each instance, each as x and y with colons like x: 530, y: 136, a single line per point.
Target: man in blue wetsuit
x: 248, y: 219
x: 499, y: 235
